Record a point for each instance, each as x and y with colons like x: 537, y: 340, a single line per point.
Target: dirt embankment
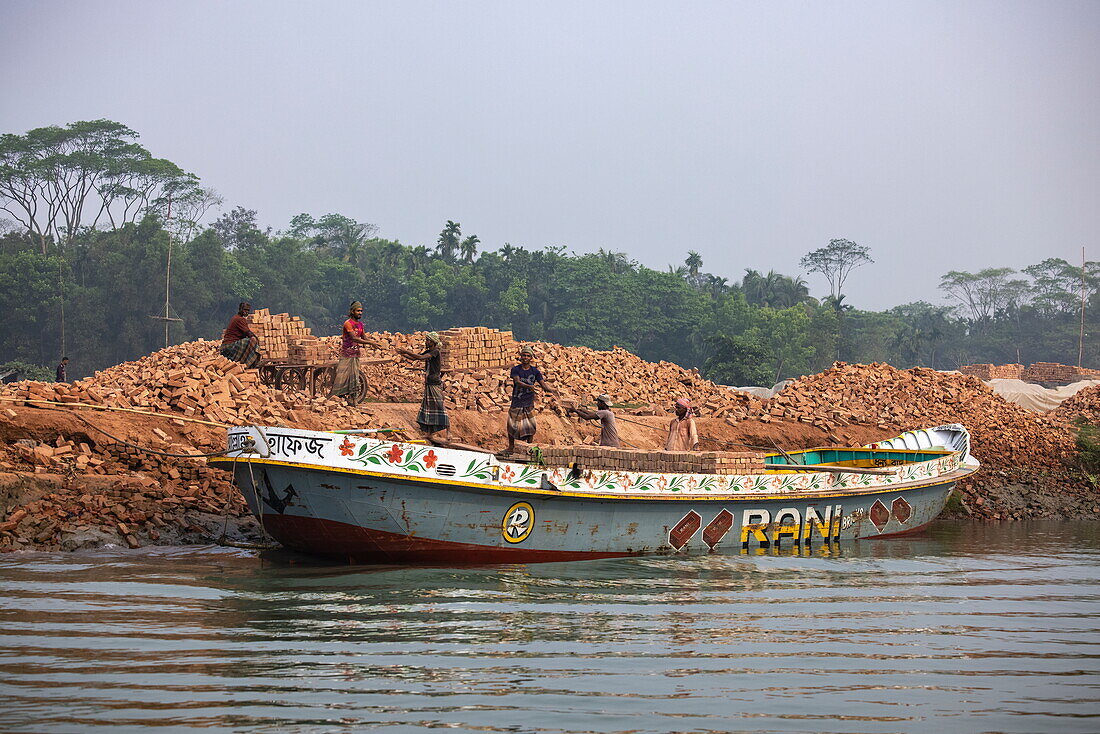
x: 67, y: 484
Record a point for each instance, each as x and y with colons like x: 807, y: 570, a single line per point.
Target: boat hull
x: 366, y: 518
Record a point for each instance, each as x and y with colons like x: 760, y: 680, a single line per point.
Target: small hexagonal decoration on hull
x: 879, y: 515
x: 901, y: 510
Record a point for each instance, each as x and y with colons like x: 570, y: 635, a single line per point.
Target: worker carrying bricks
x: 346, y: 380
x: 239, y: 343
x: 682, y: 435
x: 433, y: 415
x: 521, y: 412
x: 609, y: 427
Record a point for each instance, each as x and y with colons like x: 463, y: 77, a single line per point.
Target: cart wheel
x: 267, y: 374
x: 362, y: 393
x: 322, y: 380
x: 292, y: 379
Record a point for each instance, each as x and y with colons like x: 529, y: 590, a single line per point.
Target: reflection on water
x: 969, y: 628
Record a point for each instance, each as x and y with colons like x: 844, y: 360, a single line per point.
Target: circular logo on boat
x: 518, y: 522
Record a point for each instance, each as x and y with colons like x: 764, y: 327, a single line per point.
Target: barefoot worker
x: 682, y: 435
x: 239, y: 343
x: 433, y: 415
x: 609, y: 427
x: 346, y: 381
x: 521, y: 412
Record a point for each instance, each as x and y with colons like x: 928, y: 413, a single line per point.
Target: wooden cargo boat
x: 355, y: 496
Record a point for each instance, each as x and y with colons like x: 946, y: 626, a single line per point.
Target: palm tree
x: 468, y: 248
x: 507, y: 252
x: 617, y: 262
x: 392, y: 253
x: 448, y: 241
x: 716, y: 285
x: 836, y: 303
x: 694, y: 262
x: 418, y: 258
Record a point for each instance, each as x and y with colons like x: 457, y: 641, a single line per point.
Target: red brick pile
x: 579, y: 373
x: 1083, y: 406
x: 1037, y: 372
x: 1004, y: 434
x: 192, y: 379
x: 1054, y: 372
x: 994, y: 371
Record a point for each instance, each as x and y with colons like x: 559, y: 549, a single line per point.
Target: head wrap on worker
x: 604, y: 398
x: 684, y: 403
x: 354, y: 305
x: 527, y: 349
x: 433, y: 337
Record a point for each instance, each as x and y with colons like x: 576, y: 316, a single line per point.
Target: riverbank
x: 66, y: 485
x: 117, y: 458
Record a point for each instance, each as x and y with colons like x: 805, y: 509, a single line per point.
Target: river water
x: 971, y: 627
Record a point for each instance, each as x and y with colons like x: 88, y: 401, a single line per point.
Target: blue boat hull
x: 365, y: 518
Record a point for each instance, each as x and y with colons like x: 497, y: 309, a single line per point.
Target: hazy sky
x: 943, y: 135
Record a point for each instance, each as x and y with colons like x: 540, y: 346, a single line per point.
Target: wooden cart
x: 315, y: 379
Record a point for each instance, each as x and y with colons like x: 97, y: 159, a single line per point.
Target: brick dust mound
x: 1004, y: 435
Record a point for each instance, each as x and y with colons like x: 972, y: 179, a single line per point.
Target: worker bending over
x: 609, y: 427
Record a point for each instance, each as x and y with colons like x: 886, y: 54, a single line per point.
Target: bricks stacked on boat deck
x: 477, y: 348
x: 678, y: 462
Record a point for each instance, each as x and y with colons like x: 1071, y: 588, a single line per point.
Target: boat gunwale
x: 964, y: 470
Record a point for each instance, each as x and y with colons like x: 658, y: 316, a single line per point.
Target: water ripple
x: 971, y: 628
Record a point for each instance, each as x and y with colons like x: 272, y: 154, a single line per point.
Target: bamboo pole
x: 117, y: 410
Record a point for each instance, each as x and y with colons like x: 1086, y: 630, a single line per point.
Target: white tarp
x: 1034, y: 397
x: 764, y: 393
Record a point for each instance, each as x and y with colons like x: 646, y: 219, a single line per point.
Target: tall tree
x: 985, y: 293
x: 836, y: 261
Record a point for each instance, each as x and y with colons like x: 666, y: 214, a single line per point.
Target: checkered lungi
x: 346, y: 379
x: 246, y: 351
x: 433, y: 415
x: 521, y: 423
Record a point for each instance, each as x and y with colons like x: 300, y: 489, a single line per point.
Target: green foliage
x: 836, y: 261
x: 739, y: 360
x: 108, y: 280
x: 21, y: 370
x: 1088, y: 451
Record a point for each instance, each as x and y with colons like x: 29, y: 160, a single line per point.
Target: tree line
x: 92, y: 216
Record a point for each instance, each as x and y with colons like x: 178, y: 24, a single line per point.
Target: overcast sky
x: 942, y: 135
